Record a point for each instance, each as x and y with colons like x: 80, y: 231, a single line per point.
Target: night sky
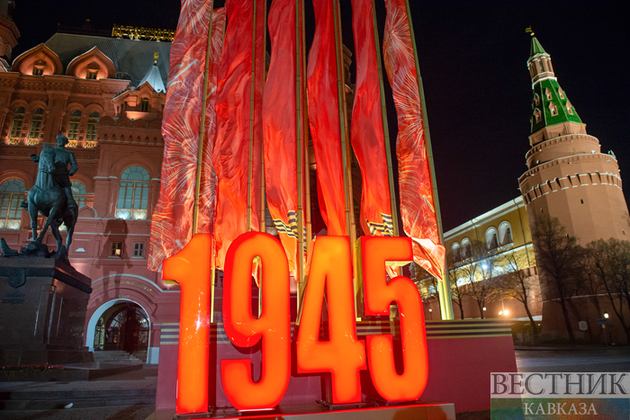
x: 473, y: 58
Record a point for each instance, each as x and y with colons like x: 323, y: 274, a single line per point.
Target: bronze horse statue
x: 48, y: 198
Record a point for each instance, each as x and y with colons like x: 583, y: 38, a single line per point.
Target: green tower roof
x: 536, y: 48
x: 551, y: 106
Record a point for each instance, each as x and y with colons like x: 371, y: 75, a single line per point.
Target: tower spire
x: 550, y: 104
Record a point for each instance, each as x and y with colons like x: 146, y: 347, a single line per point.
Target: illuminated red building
x: 106, y: 94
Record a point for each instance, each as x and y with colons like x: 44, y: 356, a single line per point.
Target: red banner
x: 236, y: 126
x: 280, y: 127
x: 416, y: 192
x: 172, y: 219
x: 323, y: 107
x: 368, y: 140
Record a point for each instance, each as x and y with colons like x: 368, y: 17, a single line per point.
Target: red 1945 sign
x: 343, y: 355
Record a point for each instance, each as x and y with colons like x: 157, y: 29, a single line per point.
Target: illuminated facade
x: 492, y: 246
x: 107, y: 96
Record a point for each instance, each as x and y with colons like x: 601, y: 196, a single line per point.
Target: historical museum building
x: 106, y: 94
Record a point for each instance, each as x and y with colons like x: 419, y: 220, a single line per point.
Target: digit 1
x: 273, y: 326
x: 343, y: 355
x: 379, y: 294
x: 190, y: 267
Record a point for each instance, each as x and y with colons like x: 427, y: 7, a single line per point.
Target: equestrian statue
x: 52, y: 197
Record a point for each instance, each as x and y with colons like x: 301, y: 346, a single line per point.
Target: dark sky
x: 473, y: 58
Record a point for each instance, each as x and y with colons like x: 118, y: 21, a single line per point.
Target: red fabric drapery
x: 236, y: 125
x: 368, y: 140
x: 416, y: 192
x: 172, y: 219
x: 323, y: 107
x: 280, y: 127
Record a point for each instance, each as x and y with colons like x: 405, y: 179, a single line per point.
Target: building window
x: 79, y: 192
x: 492, y: 239
x: 548, y: 94
x: 553, y: 109
x: 537, y: 115
x: 466, y: 248
x: 457, y: 252
x: 144, y: 105
x: 133, y: 195
x: 536, y: 99
x: 12, y: 193
x: 38, y: 71
x: 138, y: 249
x: 91, y: 127
x: 36, y: 127
x: 16, y: 125
x: 569, y: 108
x: 115, y: 249
x: 505, y: 233
x: 92, y: 74
x: 73, y: 128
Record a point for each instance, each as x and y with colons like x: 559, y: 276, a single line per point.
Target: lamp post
x: 431, y: 314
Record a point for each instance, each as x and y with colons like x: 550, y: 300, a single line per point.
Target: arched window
x: 12, y: 193
x: 16, y: 125
x: 144, y: 105
x: 36, y: 127
x: 505, y: 233
x: 467, y: 248
x: 91, y: 129
x: 492, y: 239
x: 79, y: 192
x: 133, y: 195
x: 456, y: 250
x: 73, y: 127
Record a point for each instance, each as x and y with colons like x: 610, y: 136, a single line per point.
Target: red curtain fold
x: 323, y: 108
x: 280, y: 127
x: 231, y: 154
x: 416, y: 193
x: 172, y: 219
x: 368, y: 140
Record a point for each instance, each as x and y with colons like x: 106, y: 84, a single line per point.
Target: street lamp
x: 606, y: 315
x: 430, y: 314
x: 500, y: 312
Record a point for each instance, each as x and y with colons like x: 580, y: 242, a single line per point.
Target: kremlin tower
x: 568, y: 176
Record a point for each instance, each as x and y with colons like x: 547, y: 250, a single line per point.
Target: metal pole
x: 342, y: 118
x: 251, y: 125
x: 202, y: 129
x: 390, y: 169
x: 300, y: 154
x: 446, y: 303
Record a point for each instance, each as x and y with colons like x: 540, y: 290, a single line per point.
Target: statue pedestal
x: 43, y: 305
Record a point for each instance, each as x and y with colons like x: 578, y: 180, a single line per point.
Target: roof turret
x: 154, y: 78
x: 550, y: 104
x: 536, y: 48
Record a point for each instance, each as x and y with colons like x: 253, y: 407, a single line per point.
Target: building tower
x: 9, y: 33
x: 568, y: 176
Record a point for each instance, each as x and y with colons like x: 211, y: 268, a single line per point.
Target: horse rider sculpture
x: 52, y: 197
